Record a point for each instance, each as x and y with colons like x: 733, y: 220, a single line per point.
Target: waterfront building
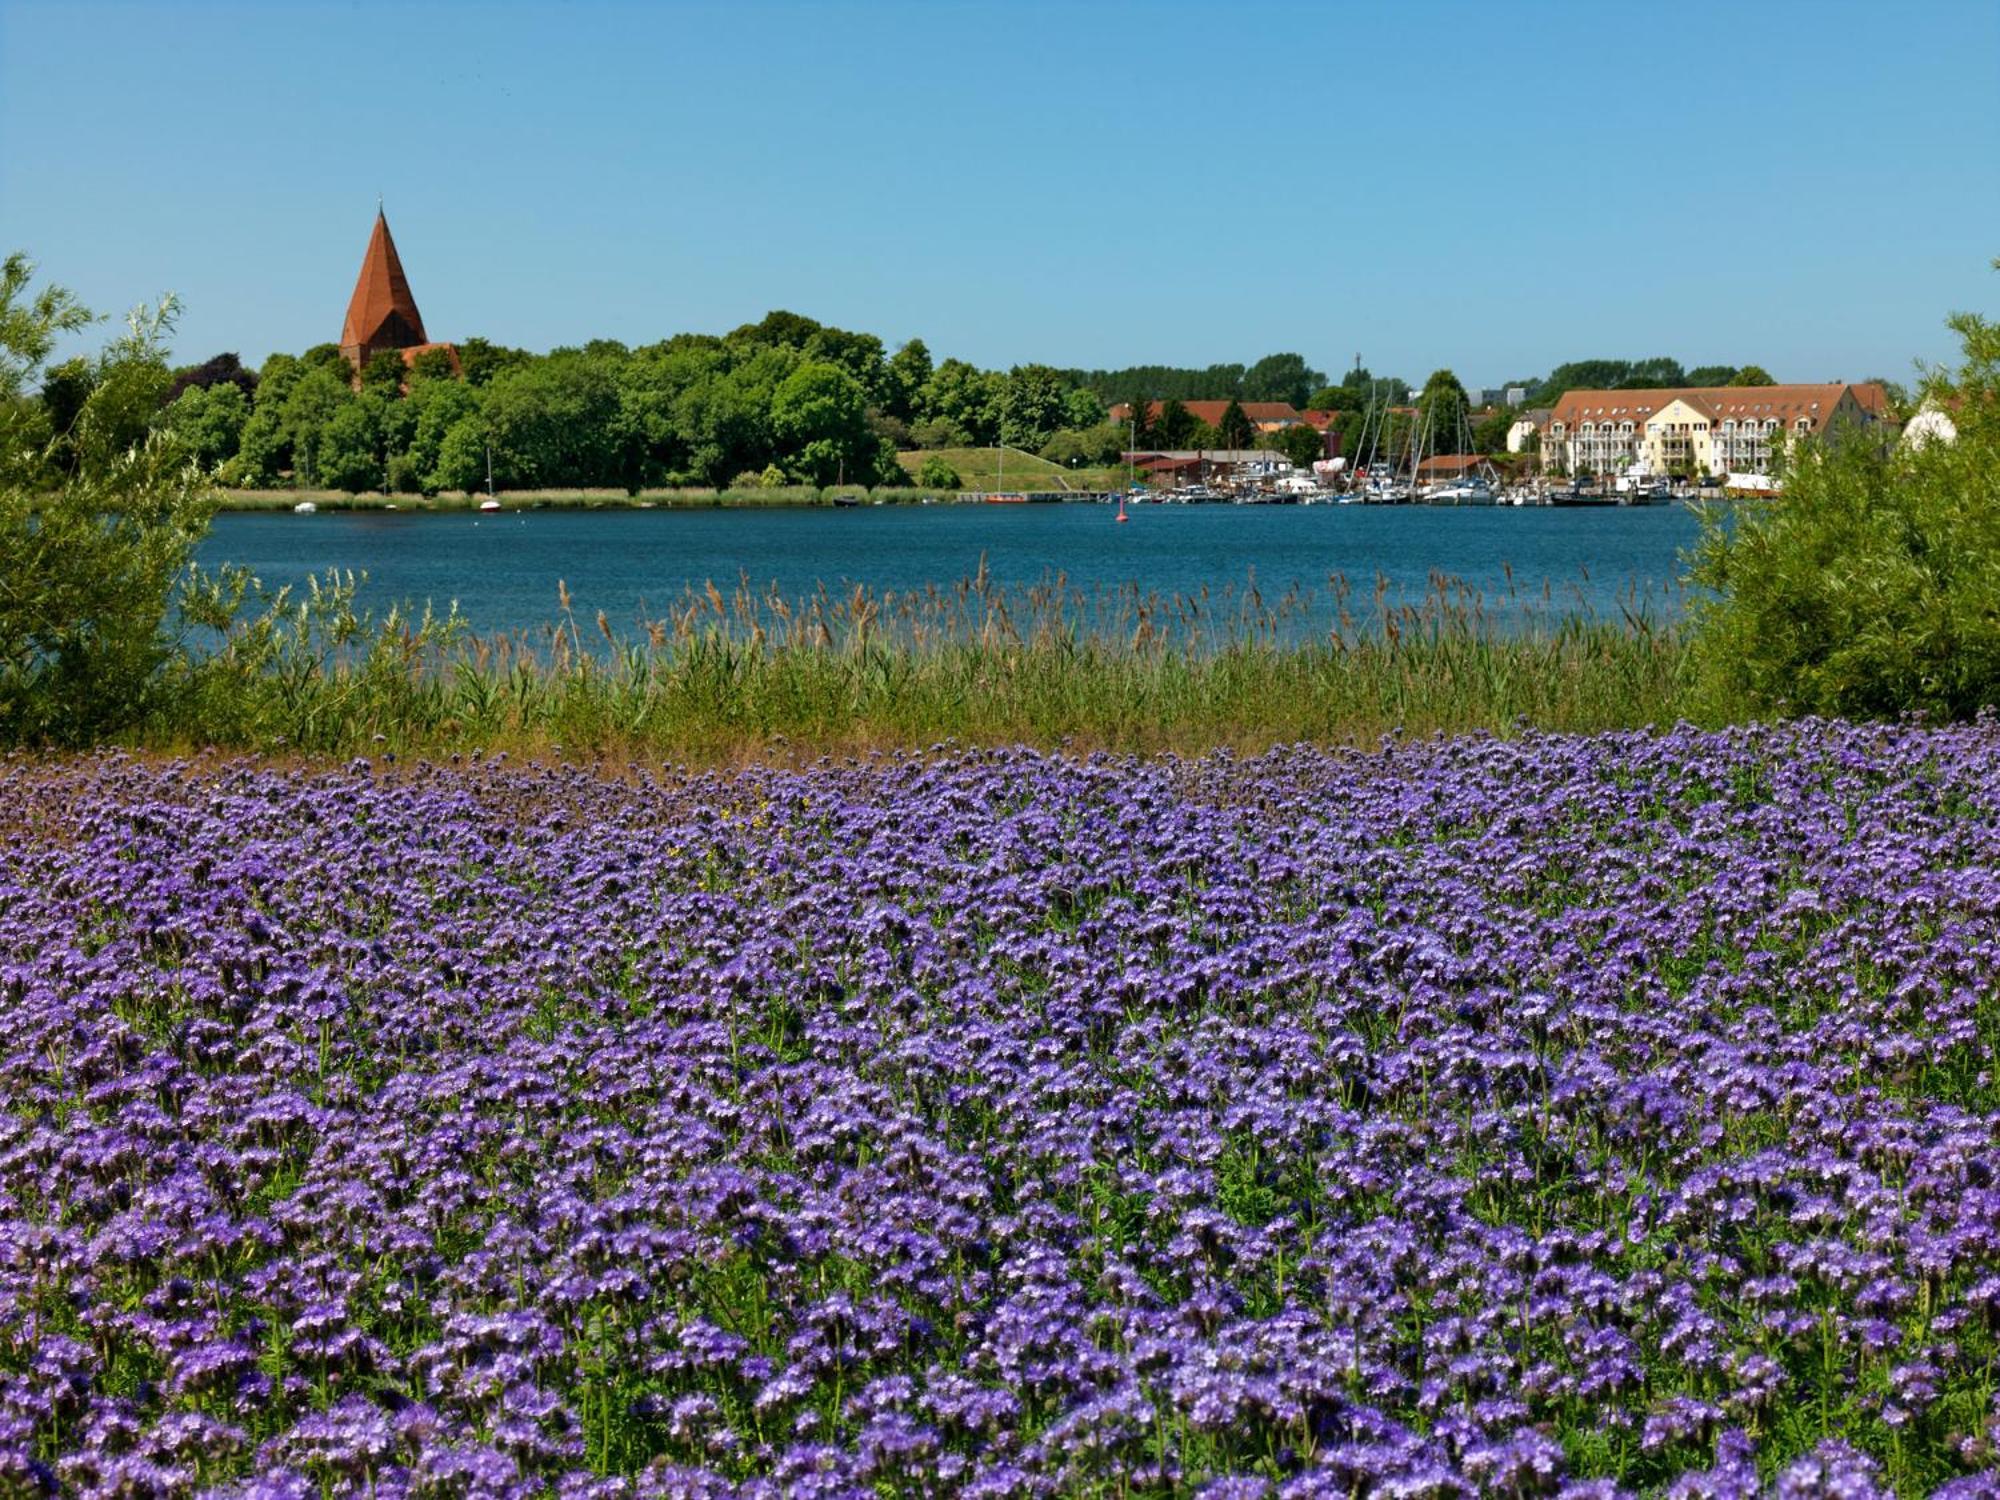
x: 382, y: 313
x: 1526, y: 426
x: 1699, y: 430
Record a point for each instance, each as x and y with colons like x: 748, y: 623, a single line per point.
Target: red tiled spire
x: 381, y: 314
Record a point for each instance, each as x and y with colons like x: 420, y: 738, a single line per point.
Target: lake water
x: 503, y: 570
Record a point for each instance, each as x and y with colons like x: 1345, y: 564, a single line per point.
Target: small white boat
x: 489, y: 504
x: 304, y: 508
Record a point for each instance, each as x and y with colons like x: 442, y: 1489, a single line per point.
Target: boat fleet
x: 1389, y: 489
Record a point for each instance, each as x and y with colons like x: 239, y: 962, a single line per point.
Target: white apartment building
x: 1697, y: 430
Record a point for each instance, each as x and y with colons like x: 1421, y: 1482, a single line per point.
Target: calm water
x: 503, y: 569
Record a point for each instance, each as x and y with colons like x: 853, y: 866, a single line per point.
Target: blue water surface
x: 503, y: 570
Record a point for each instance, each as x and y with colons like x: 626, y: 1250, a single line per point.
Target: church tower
x: 382, y: 314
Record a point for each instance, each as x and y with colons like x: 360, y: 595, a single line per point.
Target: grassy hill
x: 981, y: 469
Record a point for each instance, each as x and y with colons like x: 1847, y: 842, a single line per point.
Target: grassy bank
x: 726, y: 677
x: 984, y: 469
x: 680, y: 499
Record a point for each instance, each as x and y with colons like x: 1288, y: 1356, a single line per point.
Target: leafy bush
x: 1871, y: 585
x: 98, y: 522
x: 937, y: 474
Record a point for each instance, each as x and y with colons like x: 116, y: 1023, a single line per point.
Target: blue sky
x: 1495, y: 188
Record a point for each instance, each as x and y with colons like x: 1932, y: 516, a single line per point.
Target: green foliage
x: 910, y: 370
x: 384, y: 371
x: 431, y: 364
x: 462, y: 456
x: 1871, y: 585
x: 1443, y: 415
x: 1173, y: 429
x: 350, y: 456
x: 967, y: 398
x: 1609, y: 375
x: 1234, y: 429
x: 1033, y: 406
x: 1304, y: 446
x: 1489, y: 433
x: 94, y: 533
x: 1281, y: 377
x: 936, y: 474
x: 1752, y: 375
x: 208, y: 421
x: 482, y: 360
x: 820, y: 413
x: 1711, y: 375
x: 725, y: 676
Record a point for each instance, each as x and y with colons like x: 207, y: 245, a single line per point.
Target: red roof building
x: 382, y: 313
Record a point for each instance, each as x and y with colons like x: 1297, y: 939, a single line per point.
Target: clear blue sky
x: 1491, y: 187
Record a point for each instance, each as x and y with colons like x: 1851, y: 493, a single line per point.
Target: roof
x: 1450, y: 463
x: 1320, y: 421
x: 1781, y: 403
x: 1539, y: 415
x: 382, y: 312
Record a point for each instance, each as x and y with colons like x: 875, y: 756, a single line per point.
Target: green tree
x: 968, y: 398
x: 440, y: 405
x: 1752, y: 375
x: 1303, y: 445
x: 936, y: 474
x: 554, y: 423
x: 483, y: 361
x: 431, y: 364
x: 328, y: 357
x: 1034, y: 406
x: 1867, y: 586
x: 1174, y: 428
x: 1082, y: 408
x: 1711, y: 375
x: 819, y: 417
x: 1443, y: 413
x: 1489, y: 432
x: 208, y: 421
x: 309, y: 406
x: 384, y: 371
x: 910, y: 370
x: 1281, y: 377
x: 1234, y: 429
x: 350, y: 455
x: 91, y: 552
x: 462, y: 456
x: 1139, y: 422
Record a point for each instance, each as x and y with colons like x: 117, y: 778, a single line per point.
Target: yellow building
x: 1698, y: 430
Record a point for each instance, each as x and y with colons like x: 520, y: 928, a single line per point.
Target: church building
x: 382, y: 313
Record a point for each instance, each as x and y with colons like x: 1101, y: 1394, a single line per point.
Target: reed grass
x: 748, y: 673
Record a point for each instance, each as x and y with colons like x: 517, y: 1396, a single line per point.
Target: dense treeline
x: 783, y: 401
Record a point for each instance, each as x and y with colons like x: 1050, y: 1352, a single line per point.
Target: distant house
x: 1530, y: 422
x: 1707, y: 429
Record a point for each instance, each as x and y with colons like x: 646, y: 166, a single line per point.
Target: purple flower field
x: 1563, y: 1115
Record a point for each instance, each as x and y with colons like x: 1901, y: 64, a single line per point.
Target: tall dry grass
x: 745, y: 672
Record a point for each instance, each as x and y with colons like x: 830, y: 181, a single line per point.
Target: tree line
x: 786, y: 400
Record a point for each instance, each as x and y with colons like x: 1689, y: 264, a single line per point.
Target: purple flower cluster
x: 1564, y: 1116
